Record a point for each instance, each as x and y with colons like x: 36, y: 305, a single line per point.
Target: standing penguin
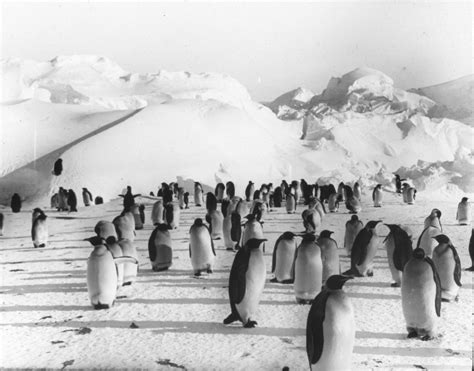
x: 160, y: 249
x: 284, y: 258
x: 399, y: 251
x: 411, y: 195
x: 39, y: 229
x: 197, y: 194
x: 157, y: 212
x: 329, y: 254
x: 172, y: 214
x: 246, y: 283
x: 16, y: 203
x: 434, y: 219
x: 253, y: 229
x: 181, y: 203
x: 290, y: 203
x: 404, y: 190
x: 58, y: 167
x: 448, y: 265
x: 128, y: 199
x: 330, y: 328
x: 426, y: 241
x: 102, y: 274
x: 130, y: 269
x: 463, y: 214
x: 201, y: 248
x: 364, y: 250
x: 311, y: 220
x: 471, y: 251
x: 219, y: 192
x: 105, y: 229
x: 135, y: 210
x: 72, y: 201
x: 227, y: 225
x: 421, y: 296
x: 377, y: 195
x: 357, y: 191
x: 398, y: 183
x: 98, y: 200
x: 353, y: 227
x: 333, y: 202
x: 125, y: 226
x: 86, y: 197
x: 216, y: 224
x: 352, y: 203
x: 249, y: 191
x: 235, y: 229
x: 230, y: 190
x: 308, y: 270
x: 341, y: 190
x: 116, y: 250
x: 277, y: 197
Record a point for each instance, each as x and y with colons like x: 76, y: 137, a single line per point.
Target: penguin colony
x: 428, y: 272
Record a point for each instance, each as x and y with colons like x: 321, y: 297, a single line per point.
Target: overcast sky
x: 269, y: 47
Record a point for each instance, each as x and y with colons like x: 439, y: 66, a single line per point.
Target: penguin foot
x: 42, y: 245
x: 101, y: 306
x: 197, y: 273
x: 127, y: 283
x: 286, y: 282
x: 470, y: 269
x: 395, y: 284
x: 274, y: 280
x: 412, y: 334
x: 427, y: 338
x: 250, y: 324
x: 231, y: 318
x: 209, y: 270
x: 303, y: 301
x: 155, y: 269
x: 370, y: 274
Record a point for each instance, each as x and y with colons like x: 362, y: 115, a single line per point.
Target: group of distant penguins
x: 427, y: 274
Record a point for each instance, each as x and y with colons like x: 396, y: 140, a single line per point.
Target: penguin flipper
x: 359, y: 248
x: 438, y: 286
x: 403, y: 248
x: 237, y: 277
x: 212, y: 247
x: 314, y: 327
x: 457, y: 267
x: 151, y: 245
x: 189, y: 246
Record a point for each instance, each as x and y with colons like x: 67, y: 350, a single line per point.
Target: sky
x: 270, y: 47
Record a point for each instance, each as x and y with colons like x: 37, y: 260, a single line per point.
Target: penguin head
x: 95, y: 240
x: 464, y: 199
x: 436, y: 212
x: 418, y: 253
x: 288, y: 235
x: 37, y: 210
x: 198, y: 222
x: 162, y: 227
x: 372, y: 224
x: 354, y: 218
x: 325, y: 234
x: 442, y: 238
x: 336, y: 281
x: 254, y: 243
x: 110, y: 240
x: 309, y: 237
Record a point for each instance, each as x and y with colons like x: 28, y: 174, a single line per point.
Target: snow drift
x: 113, y: 128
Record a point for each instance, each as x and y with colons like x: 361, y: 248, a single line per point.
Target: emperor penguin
x: 227, y: 225
x: 377, y: 195
x: 55, y: 201
x: 197, y: 194
x: 314, y: 203
x: 15, y: 203
x: 421, y: 296
x: 311, y: 220
x: 62, y: 198
x: 36, y: 212
x: 135, y: 210
x: 246, y: 283
x: 186, y: 200
x: 125, y: 226
x: 105, y: 229
x: 434, y: 219
x: 172, y: 214
x: 308, y: 270
x: 230, y: 189
x: 216, y: 223
x: 399, y: 251
x: 353, y: 227
x: 160, y: 250
x: 252, y: 229
x: 330, y: 328
x: 102, y: 274
x: 329, y: 254
x: 72, y: 201
x: 448, y: 265
x: 333, y: 202
x: 39, y: 229
x: 405, y: 188
x: 357, y: 191
x: 277, y: 197
x: 471, y: 251
x: 98, y: 200
x: 130, y: 269
x: 398, y: 183
x: 181, y: 203
x: 157, y: 212
x: 352, y: 203
x: 86, y: 197
x: 341, y: 190
x: 219, y: 192
x: 284, y: 258
x: 290, y: 203
x: 249, y: 191
x: 235, y: 230
x: 242, y: 208
x: 411, y: 195
x: 426, y: 241
x: 58, y: 167
x: 211, y: 202
x: 2, y: 218
x: 116, y: 250
x: 201, y: 248
x: 364, y: 250
x: 463, y: 214
x: 259, y: 210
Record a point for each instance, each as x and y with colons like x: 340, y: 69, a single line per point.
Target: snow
x: 172, y: 320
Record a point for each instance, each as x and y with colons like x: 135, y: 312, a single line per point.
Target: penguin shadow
x: 13, y: 238
x: 411, y: 352
x: 366, y: 295
x: 370, y: 284
x: 44, y: 288
x: 46, y: 261
x: 59, y: 276
x: 78, y: 271
x: 34, y: 308
x: 179, y: 272
x: 70, y: 217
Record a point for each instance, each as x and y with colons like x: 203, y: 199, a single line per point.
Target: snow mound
x: 95, y: 80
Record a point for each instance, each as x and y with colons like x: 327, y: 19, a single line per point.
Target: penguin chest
x: 338, y: 334
x: 308, y: 274
x: 202, y: 256
x: 40, y: 234
x: 101, y: 277
x: 226, y: 228
x: 254, y: 284
x: 217, y: 220
x: 285, y: 255
x: 164, y: 252
x: 330, y: 260
x: 252, y: 230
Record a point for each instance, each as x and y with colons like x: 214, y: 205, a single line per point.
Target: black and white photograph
x: 236, y: 185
